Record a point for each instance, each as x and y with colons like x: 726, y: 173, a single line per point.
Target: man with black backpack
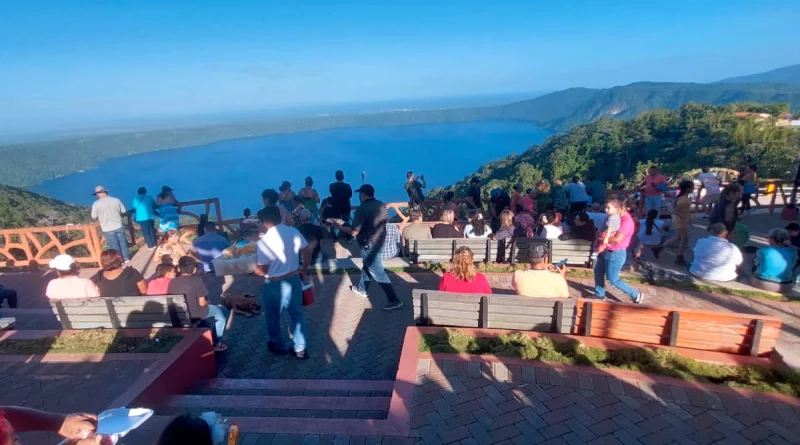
x: 414, y: 190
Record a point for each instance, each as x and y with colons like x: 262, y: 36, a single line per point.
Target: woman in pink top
x: 158, y: 285
x: 609, y: 263
x: 463, y: 277
x: 69, y: 285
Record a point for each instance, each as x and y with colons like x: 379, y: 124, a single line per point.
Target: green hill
x: 21, y: 208
x: 619, y: 151
x: 789, y: 75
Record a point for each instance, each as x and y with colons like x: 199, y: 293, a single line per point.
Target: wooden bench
x: 493, y: 311
x: 743, y: 334
x: 442, y: 250
x: 578, y: 252
x: 123, y: 312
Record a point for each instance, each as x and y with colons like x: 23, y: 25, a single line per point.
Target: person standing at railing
x: 710, y: 183
x: 108, y: 211
x: 474, y: 195
x: 341, y: 193
x: 310, y: 199
x: 414, y: 190
x: 145, y: 207
x: 168, y: 218
x: 578, y: 199
x: 749, y: 177
x: 653, y: 189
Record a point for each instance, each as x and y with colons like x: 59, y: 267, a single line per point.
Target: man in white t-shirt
x: 710, y: 183
x: 716, y: 258
x: 278, y: 257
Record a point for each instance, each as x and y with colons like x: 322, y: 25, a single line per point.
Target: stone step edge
x: 296, y: 425
x: 321, y: 403
x: 299, y: 385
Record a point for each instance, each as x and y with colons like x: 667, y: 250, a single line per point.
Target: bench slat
x: 124, y: 320
x: 119, y: 310
x: 544, y: 326
x: 126, y: 301
x: 461, y: 322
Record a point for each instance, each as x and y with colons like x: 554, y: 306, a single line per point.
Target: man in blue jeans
x: 369, y: 228
x: 108, y: 211
x: 610, y: 262
x: 278, y: 258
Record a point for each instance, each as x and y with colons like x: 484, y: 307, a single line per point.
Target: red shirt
x: 478, y: 285
x: 651, y: 184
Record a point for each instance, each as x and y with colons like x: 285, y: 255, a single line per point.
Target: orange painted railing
x: 37, y: 245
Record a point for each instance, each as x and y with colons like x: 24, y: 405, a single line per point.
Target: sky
x: 79, y: 63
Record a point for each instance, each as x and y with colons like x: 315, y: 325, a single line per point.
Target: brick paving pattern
x: 65, y: 387
x: 481, y: 403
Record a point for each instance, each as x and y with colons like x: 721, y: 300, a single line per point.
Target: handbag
x: 308, y: 294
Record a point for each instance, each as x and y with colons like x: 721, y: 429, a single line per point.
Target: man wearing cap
x: 69, y: 285
x: 474, y: 194
x: 543, y: 280
x: 108, y: 211
x: 369, y: 228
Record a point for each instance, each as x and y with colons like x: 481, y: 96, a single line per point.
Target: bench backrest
x: 733, y: 333
x: 122, y: 312
x: 442, y: 250
x: 493, y: 311
x: 578, y: 252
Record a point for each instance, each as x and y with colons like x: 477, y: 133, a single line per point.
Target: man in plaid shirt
x: 394, y: 242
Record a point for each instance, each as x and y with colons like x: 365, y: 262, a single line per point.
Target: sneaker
x: 301, y: 355
x: 276, y: 350
x: 393, y: 306
x: 639, y: 298
x: 355, y: 290
x: 151, y: 248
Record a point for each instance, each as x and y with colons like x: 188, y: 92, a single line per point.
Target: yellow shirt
x: 681, y: 216
x: 540, y: 284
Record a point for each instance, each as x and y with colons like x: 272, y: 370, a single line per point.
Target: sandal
x: 220, y: 347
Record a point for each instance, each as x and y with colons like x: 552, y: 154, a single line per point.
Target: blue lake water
x: 236, y: 171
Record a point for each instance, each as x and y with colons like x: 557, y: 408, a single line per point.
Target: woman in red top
x: 462, y: 276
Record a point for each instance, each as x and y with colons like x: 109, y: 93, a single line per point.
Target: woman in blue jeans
x: 610, y: 262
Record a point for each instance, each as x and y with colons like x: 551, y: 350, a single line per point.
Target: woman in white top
x: 548, y: 229
x: 477, y: 227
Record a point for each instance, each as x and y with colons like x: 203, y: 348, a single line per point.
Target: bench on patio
x: 734, y: 333
x: 442, y: 250
x: 123, y: 312
x: 493, y: 311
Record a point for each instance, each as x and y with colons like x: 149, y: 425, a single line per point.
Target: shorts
x: 653, y: 203
x: 710, y: 199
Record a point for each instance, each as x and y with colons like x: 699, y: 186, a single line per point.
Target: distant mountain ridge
x: 21, y: 208
x: 789, y: 75
x: 23, y: 164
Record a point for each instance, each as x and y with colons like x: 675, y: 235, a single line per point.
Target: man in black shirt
x: 314, y: 234
x: 369, y: 228
x: 500, y: 200
x: 341, y: 192
x: 414, y: 190
x: 474, y: 194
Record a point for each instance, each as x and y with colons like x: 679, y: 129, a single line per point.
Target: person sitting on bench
x: 543, y: 280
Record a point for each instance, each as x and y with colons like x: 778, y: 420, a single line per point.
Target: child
x: 164, y: 274
x: 613, y: 223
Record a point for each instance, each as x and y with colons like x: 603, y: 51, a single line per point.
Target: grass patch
x: 573, y: 352
x: 92, y: 341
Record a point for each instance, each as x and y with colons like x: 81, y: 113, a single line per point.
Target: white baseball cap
x: 62, y: 262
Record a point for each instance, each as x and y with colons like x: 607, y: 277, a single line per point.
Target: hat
x: 62, y: 262
x: 538, y: 251
x: 367, y: 190
x: 99, y: 189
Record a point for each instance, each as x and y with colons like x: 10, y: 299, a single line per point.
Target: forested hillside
x: 21, y: 208
x: 619, y: 151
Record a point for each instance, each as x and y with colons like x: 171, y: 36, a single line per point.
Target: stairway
x: 332, y: 407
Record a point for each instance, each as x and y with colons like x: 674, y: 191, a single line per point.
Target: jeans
x: 609, y: 263
x: 10, y: 295
x: 373, y: 270
x: 149, y: 232
x: 116, y: 240
x: 284, y: 295
x: 746, y: 197
x: 653, y: 203
x: 220, y: 319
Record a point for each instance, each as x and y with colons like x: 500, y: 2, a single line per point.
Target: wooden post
x: 559, y: 316
x: 675, y: 320
x: 774, y: 197
x: 488, y: 250
x: 754, y: 345
x: 453, y: 250
x: 424, y: 311
x: 62, y: 315
x: 484, y: 316
x: 415, y: 256
x: 217, y: 209
x: 112, y: 314
x: 512, y: 260
x: 173, y: 313
x: 587, y: 319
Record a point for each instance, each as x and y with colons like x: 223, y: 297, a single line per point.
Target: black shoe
x: 393, y: 306
x: 657, y: 251
x: 276, y: 351
x: 681, y: 261
x: 301, y: 355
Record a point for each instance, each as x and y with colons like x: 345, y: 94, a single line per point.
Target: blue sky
x: 85, y: 63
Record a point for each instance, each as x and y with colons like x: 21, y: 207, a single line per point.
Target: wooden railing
x: 188, y: 226
x: 33, y: 246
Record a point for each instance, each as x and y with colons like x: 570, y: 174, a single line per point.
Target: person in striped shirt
x: 716, y: 258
